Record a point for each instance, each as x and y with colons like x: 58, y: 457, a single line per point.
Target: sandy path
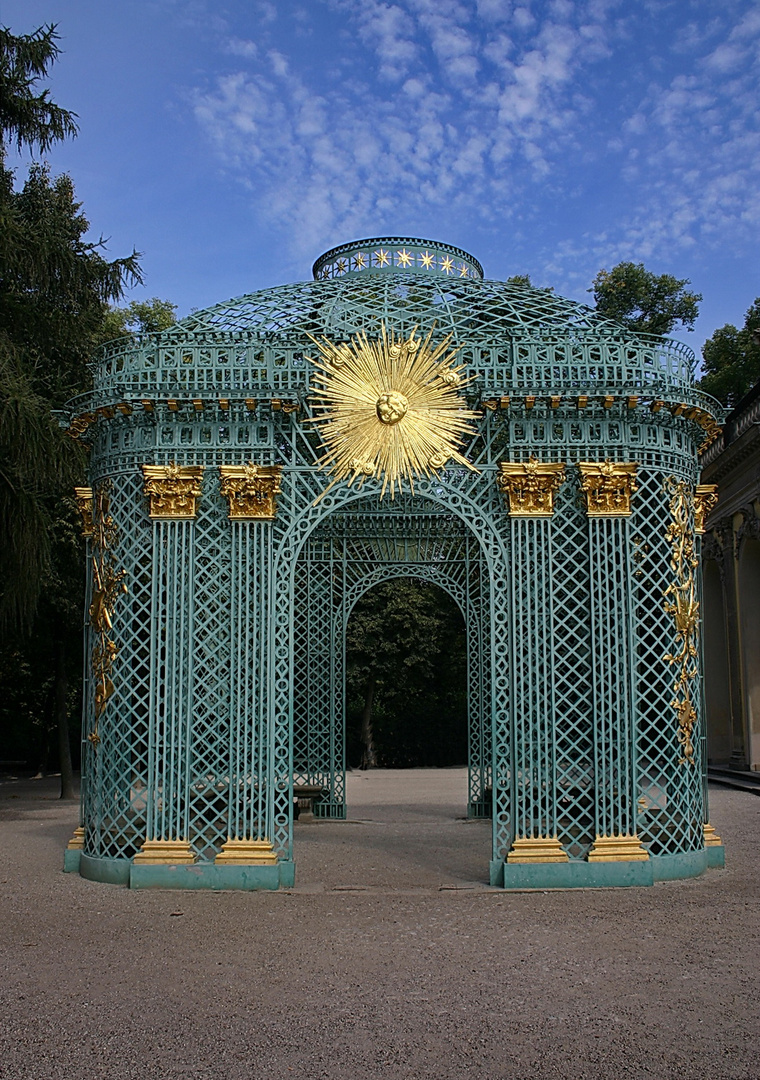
x: 392, y: 958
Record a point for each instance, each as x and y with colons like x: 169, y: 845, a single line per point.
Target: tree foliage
x: 55, y: 290
x: 645, y: 302
x: 406, y: 654
x: 138, y: 317
x: 27, y: 115
x: 732, y: 359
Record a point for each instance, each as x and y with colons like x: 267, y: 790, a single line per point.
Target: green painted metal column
x: 608, y: 489
x: 167, y: 834
x: 531, y: 487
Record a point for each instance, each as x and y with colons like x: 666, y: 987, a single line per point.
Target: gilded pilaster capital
x: 530, y: 486
x: 84, y: 505
x: 608, y: 487
x: 705, y: 501
x: 251, y: 490
x: 173, y: 490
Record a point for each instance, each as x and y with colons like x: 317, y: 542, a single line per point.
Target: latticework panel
x: 572, y: 652
x: 533, y: 689
x: 669, y: 791
x: 611, y: 647
x: 318, y: 757
x: 208, y: 764
x: 116, y: 767
x: 249, y: 811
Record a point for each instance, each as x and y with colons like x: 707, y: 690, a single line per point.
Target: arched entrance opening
x: 717, y: 685
x: 406, y: 678
x: 353, y: 546
x: 749, y: 620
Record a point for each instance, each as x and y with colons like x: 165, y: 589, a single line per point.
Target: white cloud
x: 469, y: 109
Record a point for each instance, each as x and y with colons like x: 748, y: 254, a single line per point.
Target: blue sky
x: 233, y: 142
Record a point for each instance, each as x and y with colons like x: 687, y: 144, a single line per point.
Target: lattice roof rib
x: 481, y: 305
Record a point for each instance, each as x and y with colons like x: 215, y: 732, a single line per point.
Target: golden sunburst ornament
x: 389, y: 409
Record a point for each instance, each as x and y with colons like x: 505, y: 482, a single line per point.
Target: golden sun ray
x: 389, y: 409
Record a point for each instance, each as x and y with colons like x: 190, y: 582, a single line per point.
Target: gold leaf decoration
x: 107, y: 585
x: 684, y: 607
x: 389, y: 409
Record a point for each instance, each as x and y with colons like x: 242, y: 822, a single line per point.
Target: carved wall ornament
x: 705, y: 502
x: 749, y: 529
x: 390, y: 409
x: 530, y: 486
x: 107, y: 585
x: 84, y: 505
x: 173, y: 490
x: 608, y: 487
x: 251, y: 490
x: 684, y: 607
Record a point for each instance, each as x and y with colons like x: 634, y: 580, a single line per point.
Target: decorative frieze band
x: 608, y: 487
x: 530, y: 486
x: 251, y: 490
x: 173, y: 490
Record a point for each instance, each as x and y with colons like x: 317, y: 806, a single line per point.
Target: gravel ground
x: 391, y: 958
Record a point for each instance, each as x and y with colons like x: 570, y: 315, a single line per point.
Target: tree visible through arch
x: 406, y: 677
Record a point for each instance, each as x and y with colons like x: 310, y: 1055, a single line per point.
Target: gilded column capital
x: 251, y: 490
x: 608, y: 487
x: 705, y: 501
x: 173, y: 490
x: 83, y: 496
x: 530, y: 486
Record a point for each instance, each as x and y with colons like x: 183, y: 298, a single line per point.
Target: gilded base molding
x: 246, y: 852
x: 537, y: 849
x: 619, y: 848
x: 76, y: 843
x: 711, y: 837
x: 165, y: 851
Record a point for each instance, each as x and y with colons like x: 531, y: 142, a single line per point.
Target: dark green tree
x: 55, y: 291
x: 732, y: 359
x: 406, y: 670
x: 645, y: 302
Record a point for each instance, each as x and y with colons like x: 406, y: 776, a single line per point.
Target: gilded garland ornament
x: 389, y: 409
x: 684, y: 608
x: 107, y: 585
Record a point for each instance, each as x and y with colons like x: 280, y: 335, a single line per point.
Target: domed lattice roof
x: 404, y: 281
x: 510, y: 334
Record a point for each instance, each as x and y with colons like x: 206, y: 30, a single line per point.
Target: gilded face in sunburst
x: 391, y: 407
x: 365, y: 389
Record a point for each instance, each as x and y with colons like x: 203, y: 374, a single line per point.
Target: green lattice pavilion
x: 260, y: 465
